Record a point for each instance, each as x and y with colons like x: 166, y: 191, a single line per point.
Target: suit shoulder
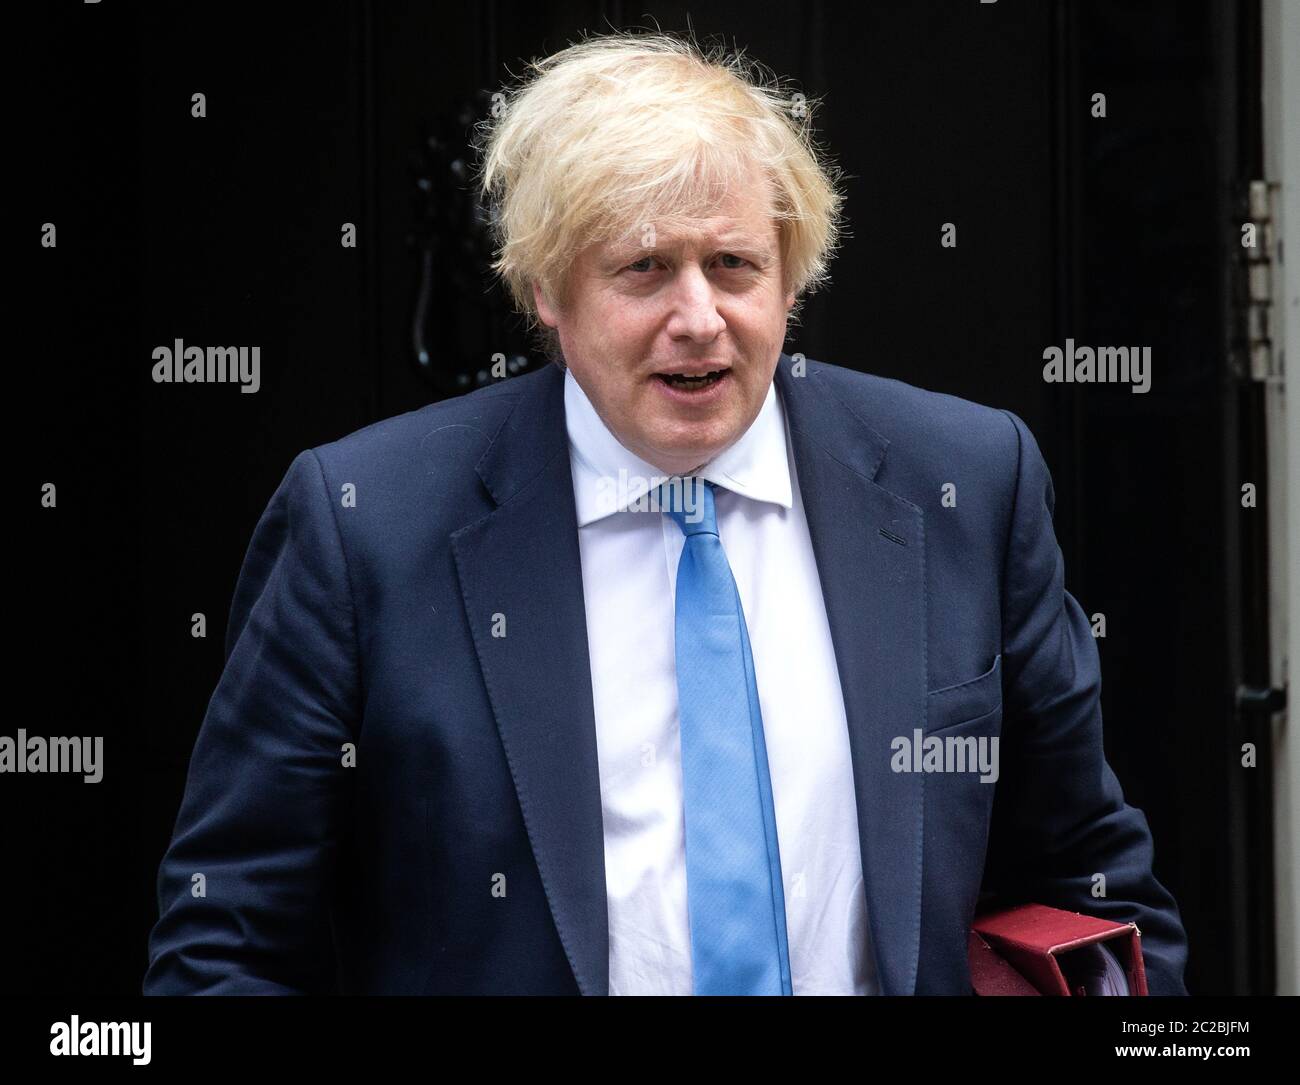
x: 918, y: 422
x: 459, y: 428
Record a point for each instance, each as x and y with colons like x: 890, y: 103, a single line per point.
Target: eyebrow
x: 726, y: 241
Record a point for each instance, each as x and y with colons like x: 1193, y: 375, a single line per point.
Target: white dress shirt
x: 629, y: 575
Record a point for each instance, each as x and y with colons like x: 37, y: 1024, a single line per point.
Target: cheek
x: 608, y: 330
x: 628, y: 324
x: 768, y: 315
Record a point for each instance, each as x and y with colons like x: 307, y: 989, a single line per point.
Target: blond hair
x: 632, y: 128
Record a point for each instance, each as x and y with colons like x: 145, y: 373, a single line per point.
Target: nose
x: 694, y: 307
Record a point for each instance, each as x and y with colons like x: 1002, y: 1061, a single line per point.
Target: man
x: 623, y: 676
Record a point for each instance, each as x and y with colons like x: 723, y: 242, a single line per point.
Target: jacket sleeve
x: 1059, y: 816
x: 244, y: 887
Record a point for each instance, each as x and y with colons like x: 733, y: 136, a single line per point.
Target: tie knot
x: 689, y: 501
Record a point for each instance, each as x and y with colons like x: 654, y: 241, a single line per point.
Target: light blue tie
x: 733, y: 865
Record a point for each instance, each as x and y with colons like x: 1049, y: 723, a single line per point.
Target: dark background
x: 225, y: 230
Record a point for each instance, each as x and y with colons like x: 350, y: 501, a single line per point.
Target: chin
x: 677, y: 453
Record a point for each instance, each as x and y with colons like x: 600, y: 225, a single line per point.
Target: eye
x: 645, y: 264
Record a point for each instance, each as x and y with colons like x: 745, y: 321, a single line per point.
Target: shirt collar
x: 607, y: 477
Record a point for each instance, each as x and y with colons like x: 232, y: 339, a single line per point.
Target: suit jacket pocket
x: 966, y: 701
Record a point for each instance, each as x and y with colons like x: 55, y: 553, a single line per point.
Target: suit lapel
x: 521, y: 562
x: 870, y: 550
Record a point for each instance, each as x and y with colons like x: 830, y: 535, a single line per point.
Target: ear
x: 544, y: 309
x: 789, y: 302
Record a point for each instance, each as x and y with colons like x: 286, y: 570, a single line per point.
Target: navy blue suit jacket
x: 371, y: 623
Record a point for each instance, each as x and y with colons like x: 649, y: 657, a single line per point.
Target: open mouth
x: 679, y: 380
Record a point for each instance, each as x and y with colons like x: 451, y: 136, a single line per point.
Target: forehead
x: 750, y: 226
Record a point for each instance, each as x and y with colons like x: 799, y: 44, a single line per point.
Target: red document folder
x: 1026, y: 950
